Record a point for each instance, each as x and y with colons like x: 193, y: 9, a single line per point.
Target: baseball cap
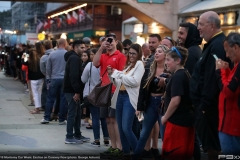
x: 87, y: 41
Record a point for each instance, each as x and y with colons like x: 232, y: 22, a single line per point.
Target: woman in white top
x: 125, y: 97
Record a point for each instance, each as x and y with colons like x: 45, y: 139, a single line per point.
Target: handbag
x: 101, y: 96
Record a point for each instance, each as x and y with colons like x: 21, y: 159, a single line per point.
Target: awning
x: 208, y: 5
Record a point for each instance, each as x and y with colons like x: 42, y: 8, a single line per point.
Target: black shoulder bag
x: 101, y: 96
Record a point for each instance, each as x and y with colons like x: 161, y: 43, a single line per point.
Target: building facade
x: 84, y: 20
x: 25, y: 15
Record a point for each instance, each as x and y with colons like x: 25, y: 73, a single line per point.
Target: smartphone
x: 215, y: 56
x: 140, y: 117
x: 109, y: 40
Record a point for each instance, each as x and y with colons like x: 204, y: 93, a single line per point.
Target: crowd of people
x: 186, y: 94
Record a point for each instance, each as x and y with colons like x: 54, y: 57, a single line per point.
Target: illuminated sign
x: 78, y: 35
x: 100, y: 33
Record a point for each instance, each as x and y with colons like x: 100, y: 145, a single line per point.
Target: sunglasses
x: 176, y: 50
x: 169, y: 38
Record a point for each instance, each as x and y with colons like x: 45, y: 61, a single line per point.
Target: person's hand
x: 137, y: 113
x: 221, y: 64
x: 103, y: 45
x: 109, y: 70
x: 163, y: 120
x: 161, y: 82
x: 76, y: 97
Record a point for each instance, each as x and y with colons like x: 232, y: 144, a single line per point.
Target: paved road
x: 22, y: 134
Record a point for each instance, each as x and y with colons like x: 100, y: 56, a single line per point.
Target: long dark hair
x: 138, y: 49
x: 33, y: 60
x: 40, y: 49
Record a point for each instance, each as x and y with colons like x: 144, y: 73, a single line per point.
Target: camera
x: 109, y: 40
x: 164, y: 75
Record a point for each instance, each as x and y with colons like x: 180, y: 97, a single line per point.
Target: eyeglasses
x: 132, y: 53
x: 126, y: 49
x: 169, y: 38
x: 176, y: 50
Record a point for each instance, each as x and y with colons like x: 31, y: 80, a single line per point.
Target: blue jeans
x: 229, y: 144
x: 161, y: 127
x: 150, y: 118
x: 56, y: 86
x: 73, y: 117
x: 44, y: 94
x: 95, y: 112
x: 125, y: 114
x: 136, y: 127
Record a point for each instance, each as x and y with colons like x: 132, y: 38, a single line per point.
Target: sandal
x: 34, y: 112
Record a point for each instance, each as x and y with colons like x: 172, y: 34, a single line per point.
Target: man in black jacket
x: 203, y: 85
x: 188, y: 37
x: 72, y: 89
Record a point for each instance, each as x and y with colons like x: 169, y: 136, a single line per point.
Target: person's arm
x: 86, y: 73
x: 172, y: 107
x: 135, y: 79
x: 210, y: 88
x: 97, y: 57
x: 49, y: 67
x: 42, y: 65
x: 192, y: 59
x: 230, y: 87
x: 74, y: 73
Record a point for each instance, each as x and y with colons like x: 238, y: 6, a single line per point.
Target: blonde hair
x: 153, y: 67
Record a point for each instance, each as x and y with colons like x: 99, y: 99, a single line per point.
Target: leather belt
x: 123, y: 92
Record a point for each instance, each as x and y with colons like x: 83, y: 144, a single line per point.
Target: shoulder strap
x: 104, y: 73
x: 188, y: 74
x: 90, y: 77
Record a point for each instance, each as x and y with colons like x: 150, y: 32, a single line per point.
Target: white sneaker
x: 63, y: 123
x: 43, y: 121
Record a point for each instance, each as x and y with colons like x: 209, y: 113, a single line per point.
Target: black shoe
x: 146, y: 154
x: 155, y: 153
x: 95, y: 143
x: 127, y: 157
x: 106, y: 142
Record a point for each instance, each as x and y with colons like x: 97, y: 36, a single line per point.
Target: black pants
x: 207, y: 128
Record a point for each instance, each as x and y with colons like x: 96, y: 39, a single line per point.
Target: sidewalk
x: 21, y: 132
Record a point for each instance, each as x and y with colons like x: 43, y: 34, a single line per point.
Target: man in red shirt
x: 116, y: 60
